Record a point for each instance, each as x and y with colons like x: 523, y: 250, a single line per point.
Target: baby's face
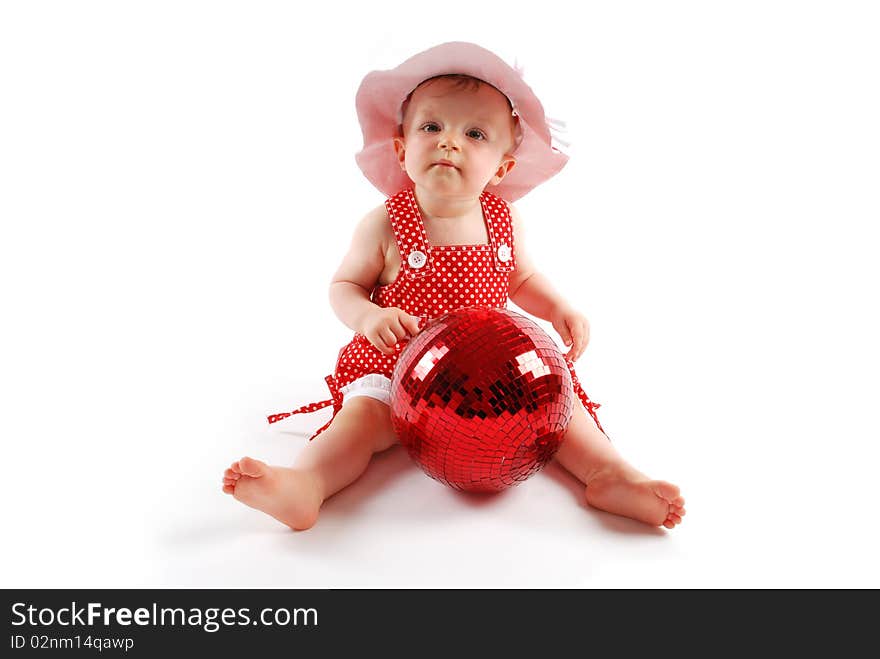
x: 456, y: 139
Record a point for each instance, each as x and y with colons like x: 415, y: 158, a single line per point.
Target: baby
x: 448, y: 135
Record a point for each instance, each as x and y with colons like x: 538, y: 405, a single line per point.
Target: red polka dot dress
x: 433, y: 280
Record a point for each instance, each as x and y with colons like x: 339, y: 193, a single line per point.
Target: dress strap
x: 500, y: 227
x: 335, y: 400
x: 410, y: 234
x: 582, y: 395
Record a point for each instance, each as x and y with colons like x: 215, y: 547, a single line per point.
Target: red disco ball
x: 481, y: 399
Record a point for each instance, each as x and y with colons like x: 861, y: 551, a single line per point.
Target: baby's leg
x: 613, y: 484
x: 334, y: 459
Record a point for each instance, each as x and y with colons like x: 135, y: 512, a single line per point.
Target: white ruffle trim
x: 372, y: 385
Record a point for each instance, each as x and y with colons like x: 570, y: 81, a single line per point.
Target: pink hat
x: 382, y: 93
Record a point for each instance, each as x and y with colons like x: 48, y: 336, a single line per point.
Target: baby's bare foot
x: 632, y: 494
x: 289, y: 495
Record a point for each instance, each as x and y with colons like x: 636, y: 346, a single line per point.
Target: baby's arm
x: 533, y: 293
x: 355, y: 279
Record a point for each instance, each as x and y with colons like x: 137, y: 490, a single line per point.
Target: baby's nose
x: 447, y: 142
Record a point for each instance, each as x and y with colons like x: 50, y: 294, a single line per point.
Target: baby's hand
x: 384, y: 327
x: 574, y: 329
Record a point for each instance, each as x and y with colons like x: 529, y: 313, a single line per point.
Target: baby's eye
x: 430, y: 127
x: 476, y: 134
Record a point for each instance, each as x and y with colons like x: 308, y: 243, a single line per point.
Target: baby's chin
x: 449, y: 188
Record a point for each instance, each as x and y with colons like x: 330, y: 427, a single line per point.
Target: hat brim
x: 382, y: 93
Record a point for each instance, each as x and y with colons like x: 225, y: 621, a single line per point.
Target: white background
x: 177, y: 185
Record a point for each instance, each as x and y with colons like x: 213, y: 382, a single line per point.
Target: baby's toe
x: 671, y: 521
x: 673, y: 518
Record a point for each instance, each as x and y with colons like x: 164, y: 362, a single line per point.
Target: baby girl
x: 452, y: 136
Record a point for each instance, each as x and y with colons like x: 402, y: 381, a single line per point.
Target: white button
x: 417, y: 259
x: 504, y: 253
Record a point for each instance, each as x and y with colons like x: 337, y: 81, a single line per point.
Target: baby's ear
x: 400, y: 151
x: 507, y: 164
